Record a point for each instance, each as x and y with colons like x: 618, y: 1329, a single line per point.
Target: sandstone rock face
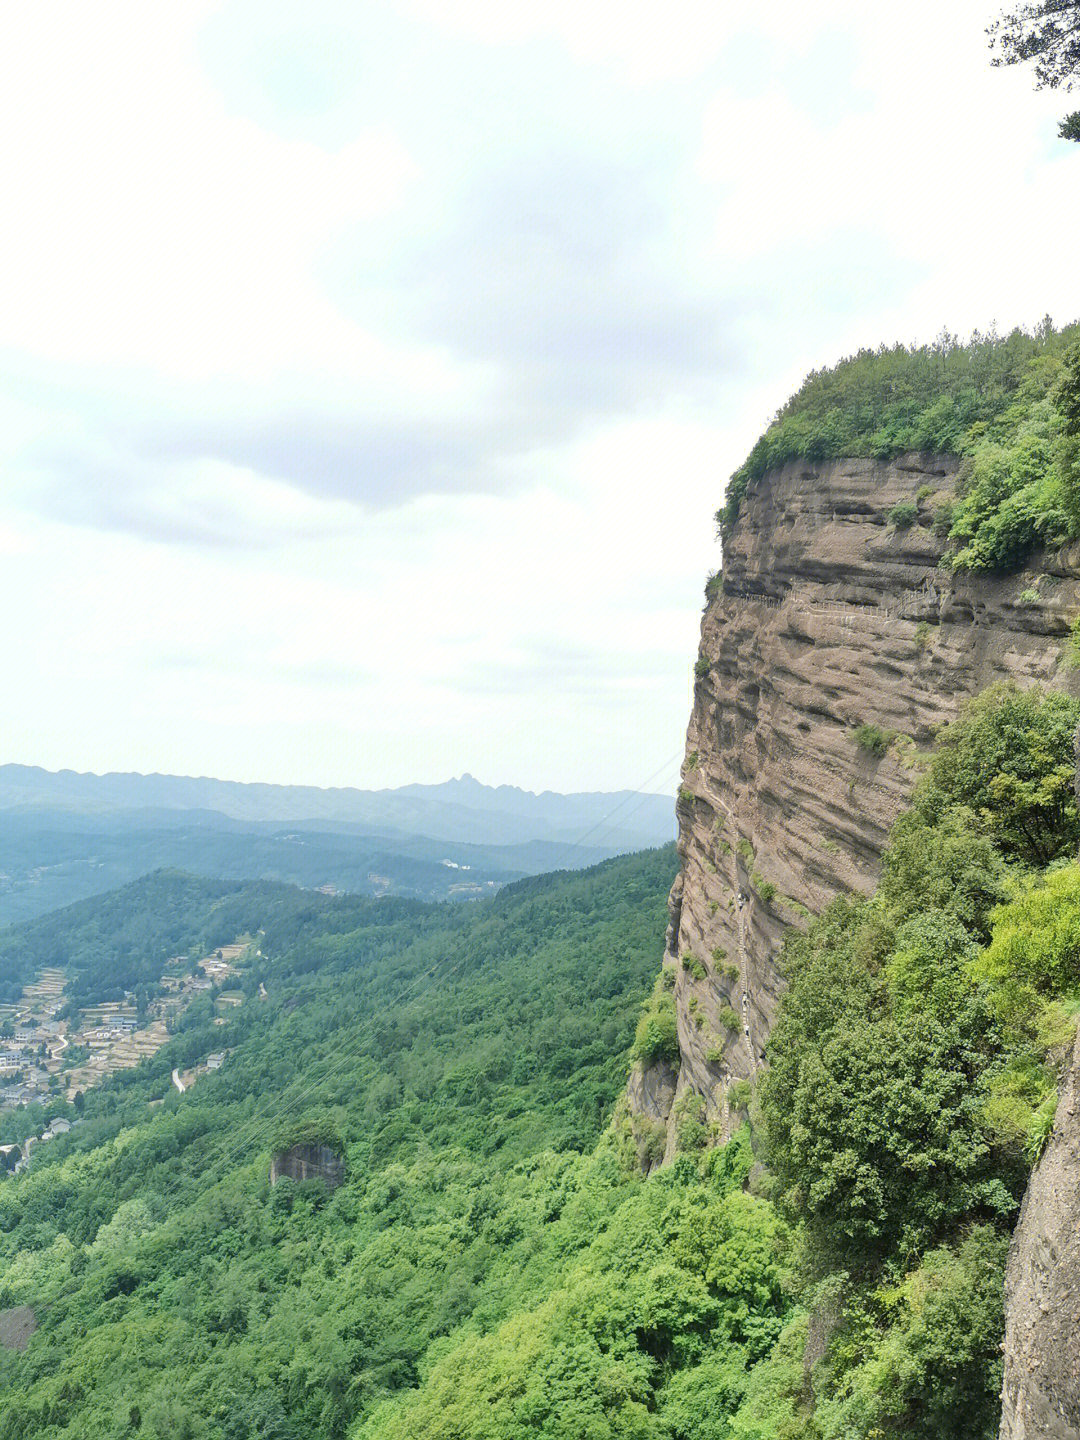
x: 308, y: 1162
x: 829, y: 618
x: 1041, y: 1394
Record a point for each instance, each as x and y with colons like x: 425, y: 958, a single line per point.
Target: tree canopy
x: 1046, y: 35
x: 1006, y: 406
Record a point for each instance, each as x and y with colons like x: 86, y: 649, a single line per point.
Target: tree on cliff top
x: 1047, y: 33
x: 1009, y: 758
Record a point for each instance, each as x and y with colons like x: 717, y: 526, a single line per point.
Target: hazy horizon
x: 371, y: 374
x: 229, y: 780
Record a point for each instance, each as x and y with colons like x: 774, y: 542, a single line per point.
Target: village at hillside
x: 48, y: 1055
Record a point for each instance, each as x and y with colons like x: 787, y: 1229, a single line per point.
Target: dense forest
x: 849, y: 1287
x: 48, y: 859
x: 494, y: 1264
x: 1008, y: 405
x: 468, y: 1056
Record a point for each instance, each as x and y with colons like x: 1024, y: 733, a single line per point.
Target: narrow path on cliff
x: 740, y: 923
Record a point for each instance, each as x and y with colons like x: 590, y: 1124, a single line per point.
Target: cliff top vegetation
x: 1007, y: 405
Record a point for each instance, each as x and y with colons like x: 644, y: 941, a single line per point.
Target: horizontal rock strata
x: 828, y: 618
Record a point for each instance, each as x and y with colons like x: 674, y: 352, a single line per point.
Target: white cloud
x: 370, y: 374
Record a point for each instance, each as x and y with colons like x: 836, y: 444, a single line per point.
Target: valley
x: 728, y: 1140
x: 52, y: 1054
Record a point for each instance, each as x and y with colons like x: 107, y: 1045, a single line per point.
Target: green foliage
x: 944, y: 515
x: 470, y: 1057
x: 121, y: 941
x: 1014, y: 500
x: 1042, y: 1127
x: 873, y: 739
x: 657, y: 1035
x: 702, y: 666
x: 910, y: 1082
x: 647, y: 1333
x: 727, y: 1019
x: 1036, y: 939
x: 1001, y: 402
x: 925, y: 1351
x: 939, y: 860
x: 1042, y: 33
x: 310, y: 1130
x: 1009, y: 759
x: 766, y: 890
x: 903, y: 514
x: 694, y: 966
x: 746, y: 850
x: 874, y: 1117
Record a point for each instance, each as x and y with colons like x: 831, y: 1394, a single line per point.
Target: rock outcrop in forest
x: 308, y: 1162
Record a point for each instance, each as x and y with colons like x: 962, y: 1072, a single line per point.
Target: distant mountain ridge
x: 463, y: 809
x: 65, y: 836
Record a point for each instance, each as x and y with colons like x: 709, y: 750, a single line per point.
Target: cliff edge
x: 831, y: 650
x: 1041, y: 1393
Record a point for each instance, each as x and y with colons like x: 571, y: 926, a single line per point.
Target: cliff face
x: 1041, y: 1395
x: 829, y: 618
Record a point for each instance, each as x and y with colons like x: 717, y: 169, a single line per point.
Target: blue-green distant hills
x: 65, y: 835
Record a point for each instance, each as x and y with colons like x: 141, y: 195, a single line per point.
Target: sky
x: 370, y: 373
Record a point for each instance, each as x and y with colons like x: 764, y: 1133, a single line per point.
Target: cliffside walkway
x: 740, y: 920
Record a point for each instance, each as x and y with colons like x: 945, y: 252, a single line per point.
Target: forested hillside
x: 849, y: 1287
x: 65, y: 837
x: 494, y: 1265
x: 466, y: 1056
x: 50, y: 859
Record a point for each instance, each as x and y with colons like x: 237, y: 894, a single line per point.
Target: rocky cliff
x: 1041, y: 1395
x: 828, y: 618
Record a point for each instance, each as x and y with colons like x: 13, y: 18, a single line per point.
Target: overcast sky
x: 371, y: 372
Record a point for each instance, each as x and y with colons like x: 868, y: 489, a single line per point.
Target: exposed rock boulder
x: 16, y: 1327
x: 650, y: 1096
x: 308, y: 1162
x: 1041, y: 1393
